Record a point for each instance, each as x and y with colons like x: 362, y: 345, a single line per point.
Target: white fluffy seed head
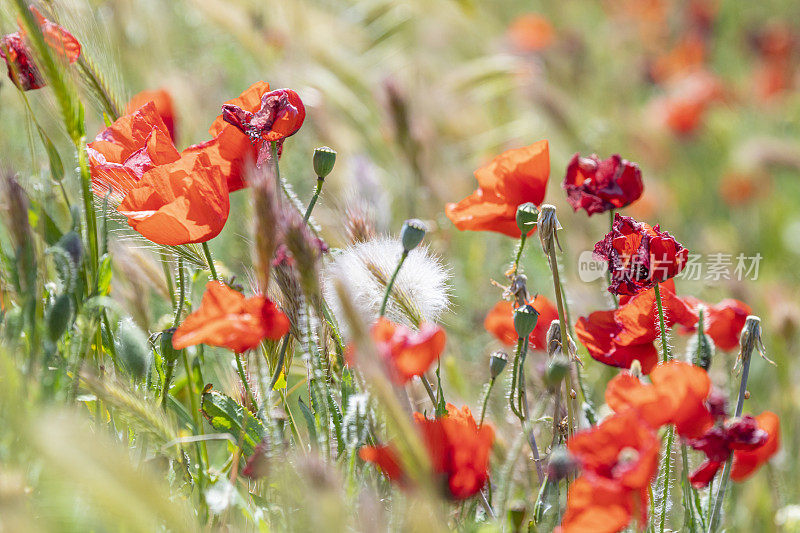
x: 421, y: 291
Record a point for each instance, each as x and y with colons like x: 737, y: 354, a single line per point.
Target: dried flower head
x: 548, y: 224
x: 421, y: 291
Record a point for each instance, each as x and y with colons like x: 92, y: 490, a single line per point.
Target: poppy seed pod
x: 58, y: 317
x: 412, y: 233
x: 553, y: 340
x: 561, y: 464
x: 527, y: 217
x: 324, y: 159
x: 71, y: 243
x: 525, y: 319
x: 497, y: 362
x: 548, y: 224
x: 133, y: 348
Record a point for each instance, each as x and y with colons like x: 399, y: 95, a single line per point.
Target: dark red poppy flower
x: 280, y: 116
x: 512, y: 178
x: 639, y: 256
x: 459, y: 451
x: 598, y: 186
x: 407, y: 352
x: 500, y: 322
x: 163, y: 102
x: 619, y: 459
x: 170, y: 198
x: 678, y: 395
x: 723, y: 321
x: 743, y: 434
x: 22, y: 69
x: 227, y: 319
x: 746, y: 462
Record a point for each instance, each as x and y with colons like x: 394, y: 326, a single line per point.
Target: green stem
x: 520, y: 246
x: 565, y: 345
x: 276, y: 374
x: 243, y: 377
x: 428, y: 389
x: 198, y: 422
x: 665, y: 355
x: 102, y: 92
x: 391, y: 282
x: 210, y: 261
x: 313, y: 202
x: 486, y: 400
x: 181, y: 293
x: 665, y: 485
x: 608, y: 272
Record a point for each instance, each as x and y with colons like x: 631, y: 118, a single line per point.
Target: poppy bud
x: 527, y: 217
x: 557, y: 369
x: 132, y: 348
x: 168, y: 352
x: 548, y: 224
x: 561, y: 464
x: 71, y: 243
x: 497, y: 362
x: 525, y: 319
x: 324, y: 159
x: 412, y: 233
x: 58, y: 317
x: 553, y: 340
x: 700, y: 346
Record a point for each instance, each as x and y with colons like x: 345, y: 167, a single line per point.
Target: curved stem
x: 313, y: 202
x: 210, y: 261
x: 391, y: 282
x: 565, y: 345
x: 486, y: 400
x: 520, y: 246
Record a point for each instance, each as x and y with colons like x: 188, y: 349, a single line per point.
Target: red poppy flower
x: 776, y: 68
x: 500, y: 322
x: 639, y: 256
x: 512, y: 178
x: 600, y: 506
x: 163, y: 102
x: 459, y: 451
x: 169, y: 198
x: 385, y: 457
x: 621, y: 449
x: 686, y: 57
x: 531, y: 32
x: 682, y: 110
x: 408, y: 353
x: 22, y: 69
x: 227, y: 319
x: 746, y: 462
x: 598, y: 331
x: 742, y: 434
x: 280, y: 115
x: 597, y: 186
x: 677, y: 396
x: 723, y: 322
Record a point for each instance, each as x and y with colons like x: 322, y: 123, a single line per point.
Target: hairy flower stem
x: 486, y: 400
x: 210, y: 261
x: 391, y: 282
x: 429, y: 390
x: 665, y: 355
x: 521, y: 399
x: 716, y: 511
x: 608, y: 272
x: 243, y: 377
x: 565, y: 344
x: 202, y: 456
x: 313, y: 202
x: 181, y: 294
x: 520, y: 247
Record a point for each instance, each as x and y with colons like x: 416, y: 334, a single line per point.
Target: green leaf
x: 104, y: 274
x: 225, y: 415
x: 310, y: 421
x: 56, y: 166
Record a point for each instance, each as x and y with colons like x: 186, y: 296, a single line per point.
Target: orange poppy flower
x: 723, y: 322
x: 597, y: 333
x: 459, y: 451
x: 227, y: 319
x: 687, y: 56
x: 531, y: 32
x: 512, y: 178
x: 163, y: 102
x: 600, y: 506
x: 746, y: 462
x: 22, y: 69
x: 683, y: 108
x: 500, y: 322
x: 407, y: 353
x: 677, y: 396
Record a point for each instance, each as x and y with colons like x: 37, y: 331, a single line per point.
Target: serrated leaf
x: 226, y: 415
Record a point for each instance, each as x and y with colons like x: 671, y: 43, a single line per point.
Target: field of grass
x: 105, y: 426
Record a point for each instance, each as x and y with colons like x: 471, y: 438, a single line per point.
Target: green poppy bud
x: 412, y: 233
x: 58, y: 317
x: 700, y: 346
x: 168, y: 353
x: 133, y: 348
x: 525, y: 319
x: 557, y: 369
x: 527, y: 216
x: 497, y: 362
x: 324, y: 159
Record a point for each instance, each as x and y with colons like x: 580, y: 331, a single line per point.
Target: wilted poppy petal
x: 746, y: 462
